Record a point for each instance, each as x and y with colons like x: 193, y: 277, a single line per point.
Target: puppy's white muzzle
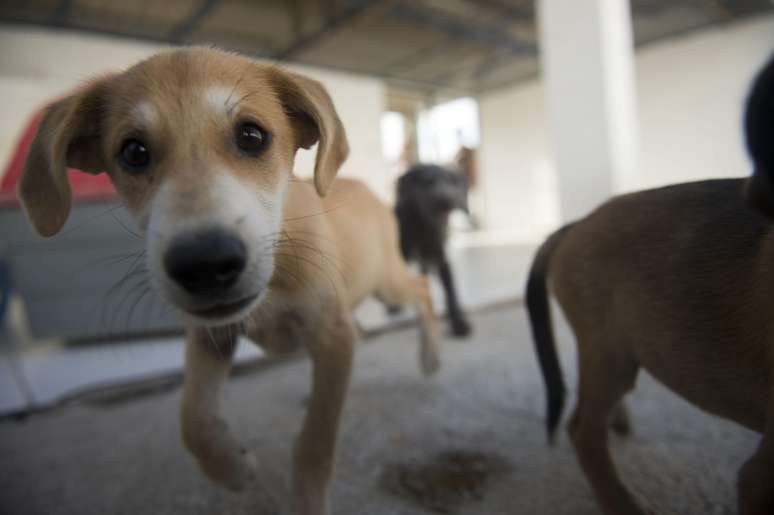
x: 213, y: 260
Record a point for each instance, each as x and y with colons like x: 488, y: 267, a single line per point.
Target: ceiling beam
x: 72, y: 26
x: 184, y: 30
x: 295, y: 11
x: 730, y: 9
x: 422, y: 55
x: 487, y: 87
x: 461, y: 70
x: 62, y: 12
x: 457, y: 28
x: 488, y: 64
x: 655, y: 8
x: 416, y: 84
x: 354, y: 9
x: 506, y: 9
x: 493, y: 58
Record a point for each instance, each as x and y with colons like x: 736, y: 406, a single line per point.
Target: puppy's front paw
x: 234, y: 474
x: 218, y: 454
x: 429, y: 361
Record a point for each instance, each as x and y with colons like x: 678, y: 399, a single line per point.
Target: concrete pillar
x: 587, y: 60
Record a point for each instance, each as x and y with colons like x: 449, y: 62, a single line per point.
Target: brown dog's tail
x: 542, y: 332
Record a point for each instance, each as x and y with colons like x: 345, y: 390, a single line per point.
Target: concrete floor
x: 122, y: 455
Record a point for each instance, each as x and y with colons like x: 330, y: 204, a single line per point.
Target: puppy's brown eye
x: 251, y: 139
x: 134, y: 155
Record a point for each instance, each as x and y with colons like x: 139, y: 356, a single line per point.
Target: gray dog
x: 427, y: 194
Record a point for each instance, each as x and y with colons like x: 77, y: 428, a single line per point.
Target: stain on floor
x: 445, y: 482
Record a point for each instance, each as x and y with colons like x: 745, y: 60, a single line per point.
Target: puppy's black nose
x: 206, y: 263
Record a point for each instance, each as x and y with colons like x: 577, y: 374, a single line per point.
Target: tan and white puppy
x: 200, y: 145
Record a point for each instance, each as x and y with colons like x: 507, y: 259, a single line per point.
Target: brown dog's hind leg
x: 604, y: 379
x: 205, y: 434
x: 403, y: 288
x: 756, y: 477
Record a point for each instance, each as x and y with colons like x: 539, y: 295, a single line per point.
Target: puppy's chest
x: 293, y: 315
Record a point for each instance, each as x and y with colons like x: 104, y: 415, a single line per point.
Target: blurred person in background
x: 465, y: 162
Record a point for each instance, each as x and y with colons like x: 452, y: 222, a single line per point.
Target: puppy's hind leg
x: 604, y: 379
x: 207, y: 364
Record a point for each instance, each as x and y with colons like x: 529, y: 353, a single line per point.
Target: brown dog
x: 200, y: 145
x: 679, y: 281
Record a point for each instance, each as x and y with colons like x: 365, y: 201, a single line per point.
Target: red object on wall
x: 85, y: 187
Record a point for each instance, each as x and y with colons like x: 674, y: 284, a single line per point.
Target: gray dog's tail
x: 542, y: 332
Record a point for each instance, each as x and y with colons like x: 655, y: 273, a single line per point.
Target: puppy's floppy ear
x: 68, y: 136
x: 759, y: 136
x: 314, y: 120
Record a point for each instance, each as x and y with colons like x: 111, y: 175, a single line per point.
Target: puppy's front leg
x: 314, y: 454
x: 207, y: 364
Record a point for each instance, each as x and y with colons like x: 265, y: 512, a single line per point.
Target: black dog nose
x: 206, y: 262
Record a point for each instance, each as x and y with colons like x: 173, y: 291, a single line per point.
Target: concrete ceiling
x: 429, y: 47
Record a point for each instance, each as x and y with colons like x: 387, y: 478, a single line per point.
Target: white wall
x: 691, y: 96
x: 37, y: 66
x: 690, y: 93
x: 518, y: 178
